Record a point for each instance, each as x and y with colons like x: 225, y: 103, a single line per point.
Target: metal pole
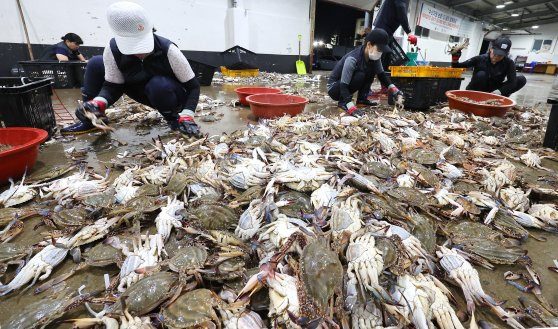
x: 312, y: 27
x: 25, y: 29
x: 551, y: 135
x: 367, y: 19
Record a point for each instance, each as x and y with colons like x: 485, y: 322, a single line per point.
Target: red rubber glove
x: 97, y: 106
x: 412, y: 39
x: 455, y: 57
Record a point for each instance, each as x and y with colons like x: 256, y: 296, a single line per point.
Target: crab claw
x: 381, y: 294
x: 522, y: 288
x: 305, y: 322
x: 254, y: 284
x: 84, y: 322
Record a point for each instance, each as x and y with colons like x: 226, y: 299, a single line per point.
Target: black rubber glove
x: 351, y: 109
x: 366, y: 102
x: 96, y: 107
x: 187, y: 125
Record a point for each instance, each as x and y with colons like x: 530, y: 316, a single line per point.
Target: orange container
x: 413, y: 71
x: 270, y: 106
x: 448, y: 72
x: 240, y: 73
x: 244, y: 92
x: 15, y: 161
x: 479, y: 109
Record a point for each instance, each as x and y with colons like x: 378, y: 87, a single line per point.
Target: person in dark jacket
x: 356, y: 71
x: 392, y: 15
x: 148, y: 68
x: 490, y: 70
x: 65, y: 50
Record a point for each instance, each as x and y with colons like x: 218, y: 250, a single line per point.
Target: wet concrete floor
x: 103, y: 148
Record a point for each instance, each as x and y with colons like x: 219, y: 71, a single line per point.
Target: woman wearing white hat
x: 148, y: 68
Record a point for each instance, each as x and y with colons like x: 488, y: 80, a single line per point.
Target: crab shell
x: 250, y: 220
x: 366, y: 316
x: 346, y: 216
x: 283, y: 298
x: 324, y: 196
x: 145, y: 295
x: 490, y: 140
x: 546, y: 212
x: 191, y: 309
x: 321, y: 276
x: 515, y: 198
x: 16, y: 195
x: 387, y: 145
x: 188, y: 258
x: 531, y: 159
x: 508, y: 169
x: 304, y: 179
x: 405, y: 180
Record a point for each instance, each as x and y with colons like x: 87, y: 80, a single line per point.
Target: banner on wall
x: 438, y: 20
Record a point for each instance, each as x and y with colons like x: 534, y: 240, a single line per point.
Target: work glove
x: 366, y: 102
x: 351, y: 109
x: 412, y: 39
x: 455, y: 56
x: 186, y: 124
x: 96, y: 106
x: 397, y: 95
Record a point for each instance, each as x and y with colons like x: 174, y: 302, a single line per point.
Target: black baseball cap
x: 380, y: 38
x: 501, y: 46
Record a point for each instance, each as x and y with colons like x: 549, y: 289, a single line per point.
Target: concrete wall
x: 522, y: 44
x: 435, y: 44
x: 267, y: 27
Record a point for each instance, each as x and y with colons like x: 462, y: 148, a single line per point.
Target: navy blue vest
x: 137, y: 71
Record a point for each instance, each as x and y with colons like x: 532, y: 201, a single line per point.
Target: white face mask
x: 374, y: 54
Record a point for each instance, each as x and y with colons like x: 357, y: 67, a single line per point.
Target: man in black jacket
x: 392, y: 15
x: 148, y: 68
x: 355, y: 72
x: 490, y: 70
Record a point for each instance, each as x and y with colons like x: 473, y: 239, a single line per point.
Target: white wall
x: 267, y: 27
x: 435, y: 44
x: 522, y: 44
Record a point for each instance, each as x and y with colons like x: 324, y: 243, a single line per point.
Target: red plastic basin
x: 244, y: 92
x: 23, y: 155
x: 276, y: 105
x: 479, y: 109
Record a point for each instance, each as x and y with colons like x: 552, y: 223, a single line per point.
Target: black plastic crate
x: 420, y: 93
x: 64, y: 74
x: 238, y: 58
x: 397, y: 56
x: 444, y: 85
x: 27, y: 103
x: 204, y: 72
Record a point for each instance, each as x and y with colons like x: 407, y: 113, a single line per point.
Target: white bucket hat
x: 132, y: 28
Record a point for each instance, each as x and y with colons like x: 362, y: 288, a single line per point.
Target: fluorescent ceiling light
x: 500, y: 6
x: 535, y: 26
x: 505, y: 29
x: 508, y: 2
x: 515, y: 14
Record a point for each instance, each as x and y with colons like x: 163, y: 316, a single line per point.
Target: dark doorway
x: 335, y: 25
x: 336, y: 20
x: 484, y: 47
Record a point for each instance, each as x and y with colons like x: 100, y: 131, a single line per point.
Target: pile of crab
x: 127, y: 110
x: 305, y: 222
